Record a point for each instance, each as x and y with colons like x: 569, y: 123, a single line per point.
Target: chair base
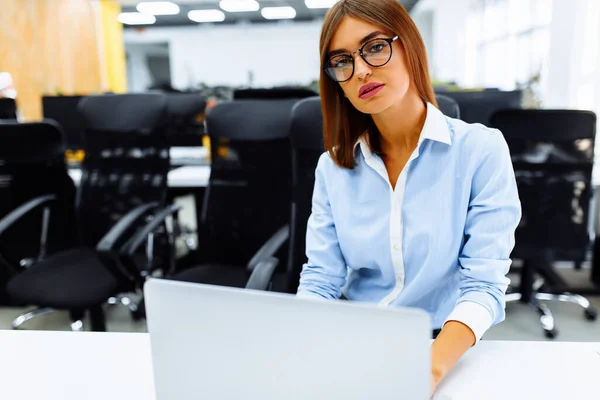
x: 96, y: 316
x: 546, y: 318
x: 128, y: 300
x: 21, y: 319
x: 77, y: 326
x: 125, y: 300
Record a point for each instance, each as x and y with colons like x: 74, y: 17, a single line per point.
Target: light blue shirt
x: 439, y: 241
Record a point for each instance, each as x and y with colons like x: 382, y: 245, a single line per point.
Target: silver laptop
x: 223, y: 343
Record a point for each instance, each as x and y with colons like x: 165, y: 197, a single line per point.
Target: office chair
x: 37, y: 198
x: 448, y: 106
x: 275, y: 93
x: 478, y: 106
x: 63, y: 109
x: 180, y: 119
x: 306, y: 135
x: 552, y: 153
x: 121, y: 205
x: 8, y: 108
x: 243, y: 226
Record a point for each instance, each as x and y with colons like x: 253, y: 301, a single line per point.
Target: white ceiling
x: 302, y: 12
x: 135, y: 2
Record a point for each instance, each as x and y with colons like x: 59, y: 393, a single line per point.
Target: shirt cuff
x: 473, y: 315
x: 305, y: 294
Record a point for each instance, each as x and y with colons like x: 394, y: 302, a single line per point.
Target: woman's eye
x: 376, y: 48
x: 339, y: 63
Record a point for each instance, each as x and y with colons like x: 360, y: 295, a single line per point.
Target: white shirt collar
x: 435, y: 128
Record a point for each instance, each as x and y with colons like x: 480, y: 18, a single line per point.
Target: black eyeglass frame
x: 360, y: 51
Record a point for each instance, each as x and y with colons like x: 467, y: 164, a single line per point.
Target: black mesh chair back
x: 64, y: 110
x: 281, y: 92
x: 480, y: 105
x: 448, y: 106
x: 180, y: 119
x: 8, y: 108
x: 249, y: 192
x: 32, y: 164
x: 126, y: 159
x: 186, y: 106
x: 306, y: 134
x: 552, y: 153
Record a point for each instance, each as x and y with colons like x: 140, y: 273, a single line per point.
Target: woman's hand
x: 453, y: 341
x: 436, y: 376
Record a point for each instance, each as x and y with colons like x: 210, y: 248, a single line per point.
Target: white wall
x: 449, y: 61
x: 424, y: 21
x: 562, y: 60
x: 574, y: 66
x: 138, y: 74
x: 277, y: 54
x: 444, y: 21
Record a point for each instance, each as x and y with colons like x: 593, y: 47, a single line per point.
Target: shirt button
x: 396, y: 247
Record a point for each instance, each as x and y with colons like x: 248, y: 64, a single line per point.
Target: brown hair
x: 342, y: 123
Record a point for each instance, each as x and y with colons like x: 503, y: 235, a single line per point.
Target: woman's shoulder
x: 327, y: 164
x: 475, y: 137
x: 330, y: 172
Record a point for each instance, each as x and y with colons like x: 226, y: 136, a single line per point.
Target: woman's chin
x: 372, y: 106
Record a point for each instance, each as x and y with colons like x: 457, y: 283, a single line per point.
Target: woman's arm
x: 325, y: 272
x: 452, y: 342
x: 492, y: 218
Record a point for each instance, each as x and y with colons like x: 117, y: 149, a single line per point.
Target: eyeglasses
x: 376, y: 53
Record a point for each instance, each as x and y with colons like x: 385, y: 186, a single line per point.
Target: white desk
x: 67, y: 366
x: 118, y: 366
x: 495, y: 370
x: 188, y: 155
x: 189, y: 176
x: 196, y: 152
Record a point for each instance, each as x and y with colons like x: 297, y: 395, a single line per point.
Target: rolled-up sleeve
x: 493, y: 215
x: 324, y: 274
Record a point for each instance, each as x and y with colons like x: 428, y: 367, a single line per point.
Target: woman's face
x: 370, y: 89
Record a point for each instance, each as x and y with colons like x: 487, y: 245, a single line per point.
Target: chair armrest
x: 23, y: 210
x: 108, y: 241
x: 130, y: 247
x: 270, y: 247
x: 262, y: 274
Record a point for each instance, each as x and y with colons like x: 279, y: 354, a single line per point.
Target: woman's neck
x: 400, y: 125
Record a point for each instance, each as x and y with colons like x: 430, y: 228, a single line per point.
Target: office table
x: 188, y: 176
x: 117, y: 366
x: 189, y: 155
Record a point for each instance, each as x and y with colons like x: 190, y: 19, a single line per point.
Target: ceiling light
x: 239, y: 5
x: 320, y: 3
x: 206, y: 15
x: 158, y: 8
x: 278, y: 12
x: 134, y: 18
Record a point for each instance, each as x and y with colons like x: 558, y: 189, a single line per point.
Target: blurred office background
x: 486, y: 56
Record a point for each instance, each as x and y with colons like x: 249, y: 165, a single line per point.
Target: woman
x: 410, y: 208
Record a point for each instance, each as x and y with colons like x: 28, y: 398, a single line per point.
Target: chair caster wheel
x: 590, y: 314
x: 137, y: 315
x: 551, y: 334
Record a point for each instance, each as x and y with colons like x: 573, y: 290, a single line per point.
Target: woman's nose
x: 361, y: 68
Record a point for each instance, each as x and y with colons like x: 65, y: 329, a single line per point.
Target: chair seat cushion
x: 73, y: 279
x: 215, y: 274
